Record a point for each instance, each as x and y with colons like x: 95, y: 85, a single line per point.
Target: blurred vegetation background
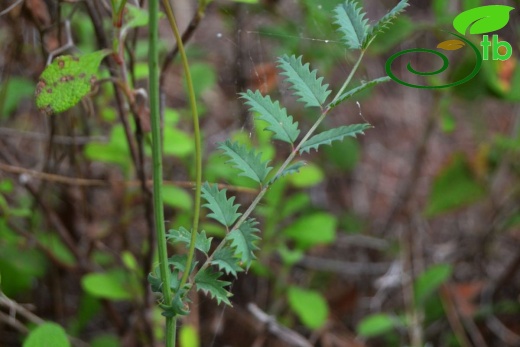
x: 408, y: 236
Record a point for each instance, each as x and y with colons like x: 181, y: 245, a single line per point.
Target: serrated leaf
x: 66, y: 81
x: 208, y: 281
x: 307, y: 86
x: 336, y: 134
x: 244, y: 241
x: 291, y: 169
x: 226, y: 261
x: 179, y: 262
x: 352, y: 24
x: 282, y: 125
x: 358, y: 89
x: 202, y: 242
x: 177, y: 306
x: 247, y: 161
x: 222, y: 209
x: 384, y: 22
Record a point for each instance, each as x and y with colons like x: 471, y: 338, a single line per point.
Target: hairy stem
x: 196, y: 131
x: 153, y: 64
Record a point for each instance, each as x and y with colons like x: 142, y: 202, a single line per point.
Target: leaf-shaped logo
x: 483, y: 19
x: 451, y: 45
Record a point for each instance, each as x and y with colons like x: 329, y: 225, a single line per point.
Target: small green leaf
x: 313, y: 229
x: 202, y: 242
x: 282, y: 125
x: 385, y: 22
x: 66, y: 81
x: 454, y: 187
x: 108, y: 285
x: 177, y: 307
x: 375, y: 325
x: 226, y: 261
x: 352, y: 24
x: 306, y: 85
x: 222, y: 209
x: 135, y: 17
x: 47, y: 335
x: 429, y: 281
x: 247, y: 161
x: 357, y: 90
x: 483, y: 19
x: 106, y: 340
x: 336, y: 134
x: 208, y: 282
x: 188, y: 336
x: 310, y: 306
x: 177, y: 197
x: 290, y: 170
x: 309, y: 176
x: 244, y: 241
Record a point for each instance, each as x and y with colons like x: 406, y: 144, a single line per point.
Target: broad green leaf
x: 130, y: 261
x: 483, y: 19
x: 226, y: 261
x: 108, y: 285
x: 244, y: 241
x: 282, y: 125
x: 306, y: 85
x: 135, y: 17
x: 290, y: 256
x: 177, y: 142
x: 310, y: 306
x: 354, y: 91
x: 66, y: 81
x: 290, y: 170
x: 47, y: 335
x: 309, y: 176
x: 352, y: 24
x: 429, y: 281
x: 247, y: 161
x: 336, y: 134
x: 204, y: 78
x: 106, y: 340
x: 202, y: 242
x: 19, y: 272
x: 12, y: 92
x: 376, y: 324
x: 313, y: 229
x: 188, y: 336
x: 208, y: 282
x: 177, y: 197
x: 344, y: 155
x: 453, y: 188
x: 222, y: 209
x: 385, y: 22
x: 54, y: 244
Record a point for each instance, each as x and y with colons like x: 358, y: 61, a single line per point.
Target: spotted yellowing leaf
x: 66, y: 81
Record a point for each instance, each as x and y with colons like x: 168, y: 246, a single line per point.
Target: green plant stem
x: 349, y: 78
x: 289, y: 159
x: 196, y: 131
x: 153, y: 64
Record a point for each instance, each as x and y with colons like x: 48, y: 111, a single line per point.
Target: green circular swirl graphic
x: 478, y: 65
